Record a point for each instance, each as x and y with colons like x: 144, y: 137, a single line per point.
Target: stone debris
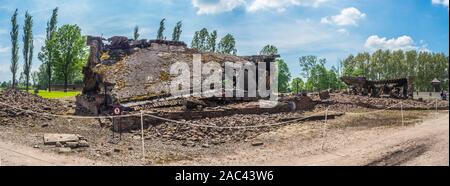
x: 191, y: 135
x: 64, y: 150
x: 257, y: 143
x: 22, y: 107
x: 65, y: 140
x: 346, y: 103
x: 324, y: 95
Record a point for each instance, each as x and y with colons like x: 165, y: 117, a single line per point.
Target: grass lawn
x: 55, y: 94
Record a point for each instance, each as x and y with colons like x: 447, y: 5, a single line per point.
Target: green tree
x: 14, y: 48
x: 136, y: 33
x: 307, y: 63
x: 411, y: 62
x: 161, y: 29
x: 43, y: 77
x: 385, y: 64
x: 333, y: 79
x: 269, y: 50
x: 319, y: 78
x: 361, y: 62
x: 177, y: 31
x: 27, y: 48
x: 70, y: 53
x: 284, y: 76
x: 227, y: 45
x: 203, y: 40
x: 35, y: 79
x: 297, y: 85
x: 212, y: 39
x: 45, y: 55
x: 195, y: 41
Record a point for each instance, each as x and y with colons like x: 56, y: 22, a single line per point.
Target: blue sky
x: 330, y: 29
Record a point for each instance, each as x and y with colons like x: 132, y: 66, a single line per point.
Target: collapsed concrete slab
x: 124, y: 71
x: 52, y: 139
x: 395, y: 88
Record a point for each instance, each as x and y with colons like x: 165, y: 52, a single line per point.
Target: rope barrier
x: 219, y: 127
x: 150, y: 114
x: 70, y: 116
x: 372, y: 112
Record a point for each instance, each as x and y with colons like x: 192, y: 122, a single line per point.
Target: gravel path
x: 19, y: 155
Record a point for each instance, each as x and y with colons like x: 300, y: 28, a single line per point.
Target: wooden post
x: 403, y: 119
x: 324, y: 129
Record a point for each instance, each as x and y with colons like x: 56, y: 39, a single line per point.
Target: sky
x: 331, y: 29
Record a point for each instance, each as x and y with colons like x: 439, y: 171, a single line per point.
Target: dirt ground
x: 425, y: 144
x: 375, y: 139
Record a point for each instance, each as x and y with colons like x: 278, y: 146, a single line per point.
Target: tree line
x: 62, y: 55
x: 202, y: 39
x: 421, y: 66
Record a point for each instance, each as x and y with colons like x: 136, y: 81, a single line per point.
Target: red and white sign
x: 117, y: 111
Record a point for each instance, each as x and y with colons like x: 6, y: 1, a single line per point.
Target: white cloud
x: 440, y: 2
x: 343, y: 31
x: 219, y: 6
x: 3, y: 31
x: 281, y: 5
x: 348, y: 16
x: 216, y: 6
x: 4, y: 49
x: 375, y: 42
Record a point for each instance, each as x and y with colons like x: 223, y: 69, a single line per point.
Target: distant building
x: 436, y: 85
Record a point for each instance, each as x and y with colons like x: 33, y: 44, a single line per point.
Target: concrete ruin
x: 134, y: 74
x: 401, y: 88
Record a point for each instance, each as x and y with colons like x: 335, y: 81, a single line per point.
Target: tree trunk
x: 49, y: 83
x: 49, y: 73
x: 14, y: 81
x: 27, y: 83
x: 65, y: 82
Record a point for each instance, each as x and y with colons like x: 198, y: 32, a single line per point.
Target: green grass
x: 55, y: 94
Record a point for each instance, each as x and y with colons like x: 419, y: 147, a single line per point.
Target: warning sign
x: 117, y: 110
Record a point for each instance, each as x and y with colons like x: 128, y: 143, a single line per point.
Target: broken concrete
x: 71, y: 141
x: 394, y: 88
x: 52, y: 139
x: 120, y: 70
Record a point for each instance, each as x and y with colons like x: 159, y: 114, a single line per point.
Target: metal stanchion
x: 403, y: 118
x: 436, y: 108
x: 142, y: 136
x: 324, y: 129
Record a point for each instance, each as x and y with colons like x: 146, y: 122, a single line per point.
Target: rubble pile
x: 346, y: 102
x: 124, y: 71
x: 19, y: 102
x: 192, y: 135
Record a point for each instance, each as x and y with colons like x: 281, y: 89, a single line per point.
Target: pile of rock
x: 28, y: 101
x: 19, y: 107
x: 65, y: 142
x: 192, y: 135
x: 345, y: 102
